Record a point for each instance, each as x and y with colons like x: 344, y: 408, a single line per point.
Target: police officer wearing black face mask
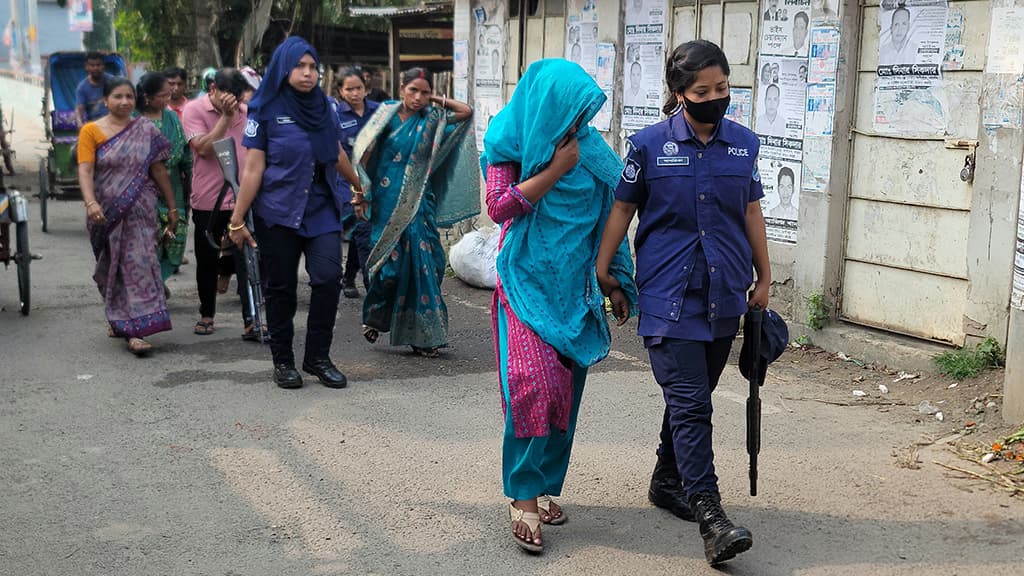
x: 693, y: 179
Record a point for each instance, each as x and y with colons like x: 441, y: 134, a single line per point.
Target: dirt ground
x: 959, y: 420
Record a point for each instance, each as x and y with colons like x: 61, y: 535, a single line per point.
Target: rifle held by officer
x: 752, y: 337
x: 225, y: 151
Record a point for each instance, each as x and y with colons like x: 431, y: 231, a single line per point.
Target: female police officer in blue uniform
x: 694, y: 180
x: 353, y: 110
x: 291, y: 179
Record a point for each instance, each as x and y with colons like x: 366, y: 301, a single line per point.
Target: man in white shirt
x: 769, y: 121
x: 899, y: 49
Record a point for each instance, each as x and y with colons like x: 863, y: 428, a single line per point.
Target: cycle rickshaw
x: 58, y: 171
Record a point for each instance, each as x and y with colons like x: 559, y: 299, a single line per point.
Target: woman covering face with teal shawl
x: 550, y: 179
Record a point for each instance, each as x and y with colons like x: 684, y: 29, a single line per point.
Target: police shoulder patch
x: 757, y: 174
x: 251, y: 127
x: 631, y: 172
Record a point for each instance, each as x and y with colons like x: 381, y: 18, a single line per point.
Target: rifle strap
x: 215, y: 242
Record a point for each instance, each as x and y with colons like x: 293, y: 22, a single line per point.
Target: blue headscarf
x: 546, y: 263
x: 310, y: 110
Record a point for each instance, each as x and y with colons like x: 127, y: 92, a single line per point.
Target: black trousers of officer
x: 358, y: 251
x: 280, y: 249
x: 688, y: 372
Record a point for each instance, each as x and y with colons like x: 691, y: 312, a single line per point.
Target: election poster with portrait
x: 581, y: 37
x: 489, y: 65
x: 643, y: 63
x: 781, y: 97
x: 909, y: 96
x: 785, y: 27
x: 779, y: 164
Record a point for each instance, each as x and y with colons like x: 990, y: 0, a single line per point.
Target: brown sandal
x: 544, y: 506
x: 532, y: 521
x: 139, y: 347
x: 203, y: 327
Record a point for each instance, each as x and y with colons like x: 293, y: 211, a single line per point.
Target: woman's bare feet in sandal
x: 526, y: 525
x: 139, y: 347
x: 550, y: 511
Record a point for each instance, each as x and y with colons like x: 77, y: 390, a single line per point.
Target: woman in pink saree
x: 120, y: 170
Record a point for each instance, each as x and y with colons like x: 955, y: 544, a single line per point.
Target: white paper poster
x: 644, y: 63
x: 909, y: 97
x: 741, y: 106
x: 460, y: 70
x: 460, y: 59
x: 824, y: 56
x: 954, y: 58
x: 80, y: 15
x: 1006, y: 42
x: 581, y: 38
x: 785, y: 27
x: 782, y: 101
x: 817, y: 162
x: 488, y: 69
x: 606, y: 80
x: 821, y: 104
x: 825, y: 11
x: 1017, y: 296
x: 779, y: 164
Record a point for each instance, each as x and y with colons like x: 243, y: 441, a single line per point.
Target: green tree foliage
x: 163, y: 32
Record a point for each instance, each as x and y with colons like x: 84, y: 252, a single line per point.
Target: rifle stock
x: 225, y: 151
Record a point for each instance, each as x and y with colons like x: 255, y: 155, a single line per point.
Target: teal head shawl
x: 546, y: 263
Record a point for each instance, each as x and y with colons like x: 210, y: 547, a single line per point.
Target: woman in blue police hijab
x: 291, y: 182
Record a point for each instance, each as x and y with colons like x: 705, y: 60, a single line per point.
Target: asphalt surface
x: 190, y: 462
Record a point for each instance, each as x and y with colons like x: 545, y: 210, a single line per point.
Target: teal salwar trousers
x: 534, y: 466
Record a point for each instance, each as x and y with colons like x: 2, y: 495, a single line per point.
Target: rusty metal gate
x: 908, y: 211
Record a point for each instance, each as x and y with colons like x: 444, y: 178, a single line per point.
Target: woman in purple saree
x: 120, y: 170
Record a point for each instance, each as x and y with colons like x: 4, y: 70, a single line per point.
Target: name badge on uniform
x: 285, y: 120
x: 673, y: 161
x: 349, y: 124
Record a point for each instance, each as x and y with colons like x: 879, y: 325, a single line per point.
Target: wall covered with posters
x: 826, y: 105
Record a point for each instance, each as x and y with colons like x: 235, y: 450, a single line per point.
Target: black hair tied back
x: 418, y: 73
x: 149, y: 85
x: 685, y: 62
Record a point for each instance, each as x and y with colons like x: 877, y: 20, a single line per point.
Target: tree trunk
x: 206, y: 52
x: 252, y: 34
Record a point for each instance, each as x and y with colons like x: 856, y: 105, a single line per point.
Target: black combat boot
x: 666, y: 490
x: 722, y: 539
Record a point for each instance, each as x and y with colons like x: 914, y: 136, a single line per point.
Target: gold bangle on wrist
x: 233, y: 228
x: 89, y: 203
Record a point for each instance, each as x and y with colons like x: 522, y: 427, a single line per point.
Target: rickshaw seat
x: 64, y: 121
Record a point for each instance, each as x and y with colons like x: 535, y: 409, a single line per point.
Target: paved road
x: 192, y: 462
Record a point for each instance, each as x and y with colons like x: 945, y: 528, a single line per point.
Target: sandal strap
x: 531, y: 519
x: 544, y: 503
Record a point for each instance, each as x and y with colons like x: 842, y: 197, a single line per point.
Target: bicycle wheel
x: 23, y: 258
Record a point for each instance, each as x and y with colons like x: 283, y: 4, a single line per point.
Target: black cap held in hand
x: 774, y: 339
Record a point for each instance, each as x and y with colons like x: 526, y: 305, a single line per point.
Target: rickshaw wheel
x: 23, y: 258
x: 44, y: 177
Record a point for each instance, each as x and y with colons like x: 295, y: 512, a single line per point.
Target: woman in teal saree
x: 420, y: 172
x: 152, y: 95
